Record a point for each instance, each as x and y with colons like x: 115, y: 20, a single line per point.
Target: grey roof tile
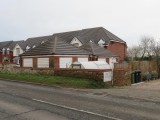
x: 85, y: 35
x: 13, y: 44
x: 35, y: 41
x: 56, y: 46
x: 5, y: 44
x: 97, y: 50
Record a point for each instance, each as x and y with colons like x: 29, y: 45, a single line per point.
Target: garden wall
x: 121, y: 74
x: 92, y: 74
x: 121, y: 77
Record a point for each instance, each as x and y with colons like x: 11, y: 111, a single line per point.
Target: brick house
x: 98, y: 42
x: 24, y: 46
x: 57, y: 53
x: 10, y: 50
x: 99, y: 36
x: 6, y: 51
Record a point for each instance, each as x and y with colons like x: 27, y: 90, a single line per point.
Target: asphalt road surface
x: 19, y: 101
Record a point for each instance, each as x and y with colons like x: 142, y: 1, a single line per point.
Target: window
x: 3, y: 51
x: 101, y: 43
x: 8, y: 50
x: 17, y: 51
x: 76, y: 44
x: 27, y: 48
x: 42, y: 42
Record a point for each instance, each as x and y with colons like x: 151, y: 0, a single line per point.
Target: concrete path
x: 147, y: 90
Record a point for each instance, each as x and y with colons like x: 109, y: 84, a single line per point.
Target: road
x: 20, y: 101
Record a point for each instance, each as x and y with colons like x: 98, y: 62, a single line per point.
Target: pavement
x: 146, y: 90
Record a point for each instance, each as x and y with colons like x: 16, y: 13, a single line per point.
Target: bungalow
x: 55, y: 53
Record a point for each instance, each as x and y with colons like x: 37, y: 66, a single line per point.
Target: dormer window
x: 75, y: 41
x: 42, y: 42
x: 8, y: 50
x: 91, y: 41
x: 17, y: 51
x: 101, y: 43
x: 3, y: 51
x: 76, y: 44
x: 27, y: 48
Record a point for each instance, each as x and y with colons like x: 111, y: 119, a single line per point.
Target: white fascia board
x: 55, y: 55
x: 117, y: 41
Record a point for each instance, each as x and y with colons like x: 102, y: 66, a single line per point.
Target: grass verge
x: 55, y: 80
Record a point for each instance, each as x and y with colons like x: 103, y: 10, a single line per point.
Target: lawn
x: 55, y: 80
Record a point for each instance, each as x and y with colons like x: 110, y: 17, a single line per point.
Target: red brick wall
x: 121, y: 77
x: 0, y: 57
x: 56, y: 62
x: 21, y: 62
x: 10, y: 56
x: 34, y: 62
x: 118, y: 48
x: 74, y: 59
x: 107, y: 60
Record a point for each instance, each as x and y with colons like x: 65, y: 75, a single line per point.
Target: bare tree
x: 155, y: 47
x: 146, y: 46
x: 134, y: 52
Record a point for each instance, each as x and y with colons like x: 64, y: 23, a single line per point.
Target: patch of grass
x: 55, y: 80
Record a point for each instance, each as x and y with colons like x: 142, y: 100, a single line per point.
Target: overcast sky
x: 128, y: 19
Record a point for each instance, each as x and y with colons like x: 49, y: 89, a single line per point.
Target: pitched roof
x: 97, y: 50
x: 9, y: 44
x: 12, y: 45
x: 55, y: 46
x: 5, y: 44
x: 35, y: 41
x: 85, y: 35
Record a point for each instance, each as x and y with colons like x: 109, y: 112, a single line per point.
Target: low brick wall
x: 93, y: 74
x: 121, y: 77
x: 11, y: 68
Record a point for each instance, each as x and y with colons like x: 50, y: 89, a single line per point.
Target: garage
x: 82, y: 59
x: 65, y: 62
x: 43, y: 62
x: 27, y: 62
x: 102, y: 59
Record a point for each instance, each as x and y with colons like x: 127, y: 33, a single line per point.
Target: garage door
x: 82, y: 59
x: 65, y: 62
x: 43, y: 63
x: 27, y: 62
x: 101, y: 59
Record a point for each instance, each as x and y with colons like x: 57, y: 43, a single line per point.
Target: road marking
x: 66, y: 107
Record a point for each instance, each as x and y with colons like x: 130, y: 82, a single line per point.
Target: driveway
x: 147, y: 90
